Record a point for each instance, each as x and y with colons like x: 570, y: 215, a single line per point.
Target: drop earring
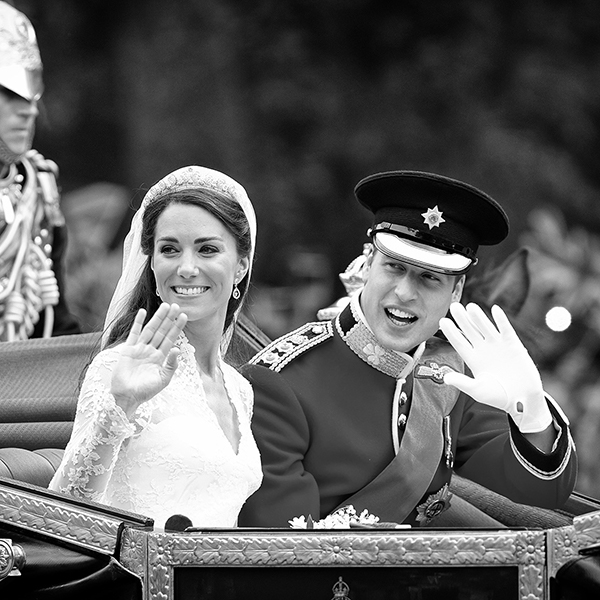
x: 236, y: 292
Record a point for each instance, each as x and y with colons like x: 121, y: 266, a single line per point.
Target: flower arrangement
x: 345, y: 517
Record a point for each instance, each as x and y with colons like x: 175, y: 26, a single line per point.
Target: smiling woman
x: 163, y: 423
x: 196, y: 263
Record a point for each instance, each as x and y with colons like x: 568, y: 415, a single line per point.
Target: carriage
x: 52, y: 546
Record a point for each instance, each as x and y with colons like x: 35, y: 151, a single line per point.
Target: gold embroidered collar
x: 353, y: 329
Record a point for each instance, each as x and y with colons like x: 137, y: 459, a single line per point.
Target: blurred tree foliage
x: 300, y: 99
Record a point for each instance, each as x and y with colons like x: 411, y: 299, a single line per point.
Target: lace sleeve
x: 99, y: 430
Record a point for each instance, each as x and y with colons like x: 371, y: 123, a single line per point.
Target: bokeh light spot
x: 558, y: 318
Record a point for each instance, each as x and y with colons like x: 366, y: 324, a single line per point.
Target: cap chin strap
x: 8, y: 157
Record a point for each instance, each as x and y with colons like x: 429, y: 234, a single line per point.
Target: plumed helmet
x: 20, y: 62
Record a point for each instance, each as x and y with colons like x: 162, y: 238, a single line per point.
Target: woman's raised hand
x: 148, y: 357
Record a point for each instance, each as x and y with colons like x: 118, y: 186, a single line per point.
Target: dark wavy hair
x: 223, y: 207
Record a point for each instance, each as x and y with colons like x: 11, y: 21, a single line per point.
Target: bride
x: 163, y: 423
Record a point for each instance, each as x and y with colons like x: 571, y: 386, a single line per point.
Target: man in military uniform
x: 378, y: 406
x: 32, y: 227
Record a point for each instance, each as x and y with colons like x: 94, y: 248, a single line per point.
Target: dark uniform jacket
x: 323, y: 422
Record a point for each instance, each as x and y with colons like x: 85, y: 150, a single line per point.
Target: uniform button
x: 402, y: 421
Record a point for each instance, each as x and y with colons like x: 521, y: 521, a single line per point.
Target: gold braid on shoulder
x: 28, y: 286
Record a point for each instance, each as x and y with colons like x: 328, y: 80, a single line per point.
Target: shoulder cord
x: 27, y: 282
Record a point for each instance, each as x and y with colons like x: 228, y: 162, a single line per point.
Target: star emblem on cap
x: 433, y: 217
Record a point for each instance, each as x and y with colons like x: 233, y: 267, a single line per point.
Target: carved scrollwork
x: 562, y: 547
x: 352, y: 549
x: 74, y: 524
x: 525, y: 550
x: 134, y: 546
x: 587, y: 528
x: 531, y: 582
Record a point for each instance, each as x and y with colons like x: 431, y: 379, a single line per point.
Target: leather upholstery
x: 578, y: 578
x: 38, y: 396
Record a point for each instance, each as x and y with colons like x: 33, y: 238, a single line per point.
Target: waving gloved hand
x: 504, y: 374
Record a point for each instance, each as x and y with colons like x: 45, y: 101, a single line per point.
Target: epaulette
x: 283, y: 350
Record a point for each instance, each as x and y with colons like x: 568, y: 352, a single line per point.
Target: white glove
x: 504, y: 374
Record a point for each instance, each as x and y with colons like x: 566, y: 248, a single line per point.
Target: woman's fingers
x: 166, y: 326
x: 136, y: 328
x: 150, y: 328
x: 161, y: 331
x: 159, y: 325
x: 173, y: 333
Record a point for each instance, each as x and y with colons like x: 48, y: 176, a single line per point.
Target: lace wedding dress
x: 172, y: 457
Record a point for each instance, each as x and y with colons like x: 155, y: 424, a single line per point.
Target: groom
x: 377, y: 407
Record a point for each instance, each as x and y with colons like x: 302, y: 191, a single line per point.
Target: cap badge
x: 433, y: 217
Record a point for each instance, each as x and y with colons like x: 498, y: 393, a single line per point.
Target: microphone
x: 178, y: 523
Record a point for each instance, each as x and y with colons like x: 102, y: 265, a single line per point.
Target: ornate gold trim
x: 564, y: 543
x: 525, y: 550
x: 134, y: 547
x: 562, y: 547
x: 12, y: 558
x: 79, y: 524
x: 587, y: 528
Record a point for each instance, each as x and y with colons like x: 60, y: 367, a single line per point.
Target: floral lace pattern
x: 172, y: 457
